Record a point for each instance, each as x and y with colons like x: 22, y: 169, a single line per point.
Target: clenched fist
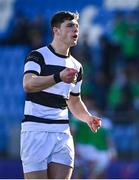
x: 94, y: 123
x: 68, y: 75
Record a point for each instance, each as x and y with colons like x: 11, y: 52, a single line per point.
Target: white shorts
x: 38, y: 149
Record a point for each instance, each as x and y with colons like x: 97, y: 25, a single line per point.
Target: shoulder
x: 42, y: 50
x: 38, y: 52
x: 76, y: 62
x: 79, y: 67
x: 36, y: 56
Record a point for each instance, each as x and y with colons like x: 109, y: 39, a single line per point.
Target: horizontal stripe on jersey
x: 74, y: 94
x: 51, y: 69
x: 47, y: 70
x: 32, y: 66
x: 40, y: 111
x: 36, y: 57
x: 31, y: 71
x: 47, y: 99
x: 29, y: 118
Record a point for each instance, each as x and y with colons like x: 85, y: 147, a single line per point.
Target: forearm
x: 79, y: 110
x: 33, y: 83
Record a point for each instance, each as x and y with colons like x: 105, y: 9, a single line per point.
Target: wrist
x: 57, y: 78
x: 88, y: 117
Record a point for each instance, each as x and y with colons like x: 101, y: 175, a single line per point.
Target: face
x: 68, y: 32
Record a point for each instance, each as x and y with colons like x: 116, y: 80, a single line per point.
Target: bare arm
x: 79, y: 110
x: 34, y: 83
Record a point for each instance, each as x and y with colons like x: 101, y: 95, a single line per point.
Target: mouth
x: 75, y: 37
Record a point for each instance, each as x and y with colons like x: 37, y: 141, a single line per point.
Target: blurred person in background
x: 125, y: 34
x: 19, y: 33
x: 27, y: 32
x: 130, y: 43
x: 38, y: 32
x: 124, y: 89
x: 52, y: 81
x: 94, y: 151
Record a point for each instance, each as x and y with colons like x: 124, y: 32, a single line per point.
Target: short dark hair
x: 62, y: 16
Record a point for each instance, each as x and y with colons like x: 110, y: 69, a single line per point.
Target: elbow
x: 27, y: 87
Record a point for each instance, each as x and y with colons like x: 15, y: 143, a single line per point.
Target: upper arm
x: 33, y: 63
x: 32, y: 67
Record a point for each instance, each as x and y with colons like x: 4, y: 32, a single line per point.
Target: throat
x: 60, y: 51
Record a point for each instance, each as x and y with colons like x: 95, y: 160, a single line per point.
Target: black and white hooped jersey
x: 47, y: 109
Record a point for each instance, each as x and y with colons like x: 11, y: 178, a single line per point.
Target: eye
x: 70, y: 25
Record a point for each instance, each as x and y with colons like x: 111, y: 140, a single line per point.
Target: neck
x: 60, y: 48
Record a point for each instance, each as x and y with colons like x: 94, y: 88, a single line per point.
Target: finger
x: 72, y: 71
x: 98, y: 127
x: 94, y: 127
x: 72, y: 74
x: 94, y: 130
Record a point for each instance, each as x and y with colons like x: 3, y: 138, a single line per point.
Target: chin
x: 73, y: 44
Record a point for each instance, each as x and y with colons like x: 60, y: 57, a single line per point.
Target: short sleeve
x: 77, y: 89
x: 34, y: 63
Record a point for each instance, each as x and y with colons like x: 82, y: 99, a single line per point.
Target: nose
x: 76, y: 29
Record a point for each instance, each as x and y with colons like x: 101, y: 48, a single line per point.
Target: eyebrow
x: 72, y: 24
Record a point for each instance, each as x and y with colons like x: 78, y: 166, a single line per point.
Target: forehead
x: 73, y: 22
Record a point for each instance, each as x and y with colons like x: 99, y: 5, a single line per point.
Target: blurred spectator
x: 130, y: 43
x: 110, y: 53
x: 101, y: 85
x: 94, y: 151
x: 125, y: 35
x: 26, y: 32
x: 124, y: 89
x: 38, y: 32
x: 119, y: 27
x: 19, y: 32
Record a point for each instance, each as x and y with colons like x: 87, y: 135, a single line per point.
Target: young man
x: 52, y: 80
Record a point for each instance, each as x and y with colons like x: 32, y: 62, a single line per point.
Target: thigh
x: 59, y: 171
x: 63, y: 152
x: 36, y: 175
x: 35, y: 150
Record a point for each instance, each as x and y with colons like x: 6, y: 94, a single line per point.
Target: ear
x: 56, y: 30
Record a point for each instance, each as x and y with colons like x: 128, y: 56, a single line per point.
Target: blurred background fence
x: 108, y: 49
